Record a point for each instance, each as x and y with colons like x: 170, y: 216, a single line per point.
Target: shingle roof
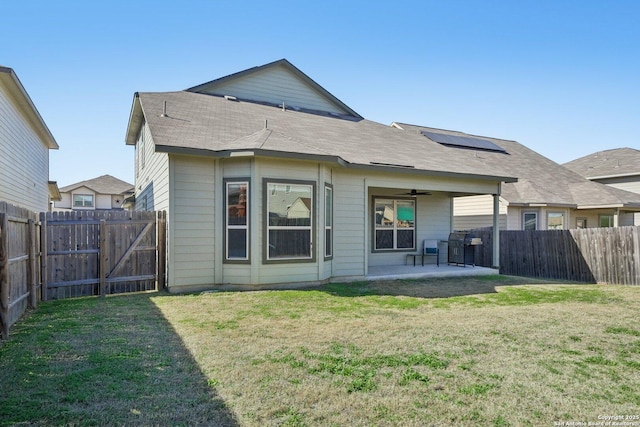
x: 540, y: 180
x: 105, y: 184
x: 208, y: 124
x: 608, y: 163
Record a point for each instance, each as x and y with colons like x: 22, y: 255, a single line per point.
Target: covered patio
x: 393, y: 272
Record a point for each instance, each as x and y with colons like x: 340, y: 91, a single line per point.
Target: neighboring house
x: 267, y: 178
x: 619, y: 168
x: 546, y: 195
x: 25, y: 141
x: 103, y: 192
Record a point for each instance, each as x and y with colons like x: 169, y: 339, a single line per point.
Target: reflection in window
x: 237, y: 226
x: 530, y: 221
x: 394, y: 224
x: 289, y: 221
x: 328, y: 221
x: 606, y: 220
x: 82, y: 201
x: 555, y: 221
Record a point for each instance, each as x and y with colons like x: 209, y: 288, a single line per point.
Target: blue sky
x: 561, y: 77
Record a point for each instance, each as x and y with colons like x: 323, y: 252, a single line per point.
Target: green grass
x: 479, y: 351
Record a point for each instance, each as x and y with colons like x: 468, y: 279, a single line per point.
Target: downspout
x: 496, y: 228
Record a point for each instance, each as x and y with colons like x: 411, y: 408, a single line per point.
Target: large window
x: 394, y: 224
x: 328, y: 221
x: 555, y: 221
x: 237, y: 224
x: 606, y: 220
x: 530, y: 221
x: 289, y: 215
x: 82, y: 200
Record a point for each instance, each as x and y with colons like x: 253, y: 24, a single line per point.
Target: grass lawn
x: 461, y: 351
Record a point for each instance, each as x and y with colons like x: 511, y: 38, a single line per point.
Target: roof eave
x: 136, y: 118
x: 15, y: 87
x: 327, y: 158
x: 622, y: 175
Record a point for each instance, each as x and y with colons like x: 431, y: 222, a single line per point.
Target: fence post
x: 43, y: 256
x: 4, y: 276
x: 162, y: 250
x: 103, y: 257
x: 31, y: 267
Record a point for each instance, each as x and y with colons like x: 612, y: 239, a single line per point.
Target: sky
x: 561, y: 77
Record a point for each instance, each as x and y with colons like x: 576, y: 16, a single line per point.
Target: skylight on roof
x: 463, y: 141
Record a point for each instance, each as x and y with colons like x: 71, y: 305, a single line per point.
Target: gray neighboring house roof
x: 541, y: 182
x: 105, y: 184
x: 618, y: 162
x: 212, y: 125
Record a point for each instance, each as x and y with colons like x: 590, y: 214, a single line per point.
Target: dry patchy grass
x: 444, y: 352
x: 475, y: 351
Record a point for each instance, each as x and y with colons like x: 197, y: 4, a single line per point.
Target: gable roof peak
x: 277, y: 83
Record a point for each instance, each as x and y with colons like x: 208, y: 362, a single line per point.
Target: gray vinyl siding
x: 350, y: 217
x: 277, y: 85
x: 152, y: 179
x: 24, y: 159
x: 629, y: 183
x: 477, y: 212
x: 191, y: 222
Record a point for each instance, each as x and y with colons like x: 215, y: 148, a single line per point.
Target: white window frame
x: 554, y: 213
x: 328, y: 221
x: 601, y: 217
x: 228, y: 227
x: 395, y: 227
x: 83, y: 204
x: 271, y: 189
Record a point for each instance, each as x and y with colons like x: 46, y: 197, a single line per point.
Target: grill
x: 462, y: 248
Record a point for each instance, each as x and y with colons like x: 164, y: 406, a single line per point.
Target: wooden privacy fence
x: 102, y: 252
x: 19, y: 264
x: 591, y: 255
x: 73, y: 254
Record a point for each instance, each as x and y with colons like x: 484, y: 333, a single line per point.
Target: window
x: 142, y: 149
x: 555, y: 221
x: 289, y: 215
x: 82, y: 201
x: 581, y: 223
x: 394, y: 224
x: 530, y: 221
x: 236, y: 221
x: 328, y: 221
x: 606, y: 220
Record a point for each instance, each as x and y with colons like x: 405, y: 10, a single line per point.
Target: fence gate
x: 102, y: 253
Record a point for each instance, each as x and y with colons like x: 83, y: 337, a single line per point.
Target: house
x: 619, y: 168
x: 25, y: 141
x: 269, y: 179
x: 546, y: 195
x: 103, y: 192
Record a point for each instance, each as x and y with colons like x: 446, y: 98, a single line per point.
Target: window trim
x: 395, y: 228
x: 562, y: 214
x: 328, y: 249
x: 83, y: 206
x: 266, y: 227
x: 247, y: 226
x: 524, y: 222
x: 611, y: 222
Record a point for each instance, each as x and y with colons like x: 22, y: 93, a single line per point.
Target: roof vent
x: 164, y: 110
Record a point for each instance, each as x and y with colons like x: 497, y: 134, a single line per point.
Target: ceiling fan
x: 414, y: 193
